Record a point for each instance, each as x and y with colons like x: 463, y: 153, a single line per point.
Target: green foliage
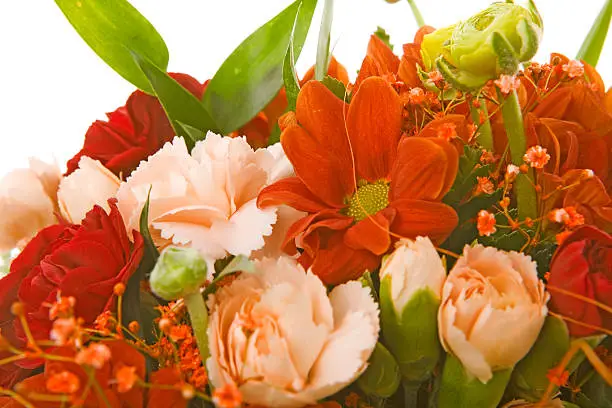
x: 180, y: 105
x: 382, y: 34
x: 382, y: 377
x: 253, y: 74
x: 595, y: 39
x: 290, y: 79
x: 239, y: 263
x: 336, y: 87
x: 113, y: 29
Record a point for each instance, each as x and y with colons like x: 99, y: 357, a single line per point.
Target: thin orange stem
x: 16, y: 397
x: 12, y: 359
x: 583, y: 298
x: 579, y: 323
x: 28, y: 333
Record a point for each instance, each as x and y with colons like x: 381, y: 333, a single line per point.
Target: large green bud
x: 488, y: 44
x: 178, y: 273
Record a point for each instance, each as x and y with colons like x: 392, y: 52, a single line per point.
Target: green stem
x: 411, y: 394
x: 485, y: 134
x: 199, y: 321
x: 417, y: 13
x: 322, y: 64
x: 595, y: 39
x: 517, y: 141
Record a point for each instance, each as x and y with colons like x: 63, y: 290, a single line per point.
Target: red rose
x: 583, y: 265
x: 84, y: 261
x: 133, y: 132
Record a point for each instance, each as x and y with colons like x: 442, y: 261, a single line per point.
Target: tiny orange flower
x: 227, y: 396
x: 447, y: 131
x: 574, y: 68
x: 435, y: 76
x: 536, y: 157
x: 511, y: 172
x: 416, y: 96
x: 486, y: 223
x: 119, y: 289
x: 64, y: 382
x: 126, y: 377
x: 485, y: 185
x: 62, y: 330
x: 574, y: 218
x: 557, y: 376
x: 487, y: 157
x: 507, y: 83
x: 62, y: 308
x: 504, y: 202
x: 95, y: 355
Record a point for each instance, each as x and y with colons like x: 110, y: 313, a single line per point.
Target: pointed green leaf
x: 150, y: 248
x: 239, y: 263
x: 595, y: 39
x: 180, y: 105
x: 290, y: 79
x: 253, y: 74
x: 112, y: 28
x: 324, y: 40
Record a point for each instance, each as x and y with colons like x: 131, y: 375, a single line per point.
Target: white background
x: 52, y: 86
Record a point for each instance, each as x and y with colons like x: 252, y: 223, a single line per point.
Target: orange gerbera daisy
x: 359, y: 181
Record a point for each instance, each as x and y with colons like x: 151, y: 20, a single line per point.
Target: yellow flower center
x: 369, y: 199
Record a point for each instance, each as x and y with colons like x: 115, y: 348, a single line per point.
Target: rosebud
x: 178, y: 272
x: 382, y: 377
x: 488, y: 44
x: 410, y: 290
x: 493, y: 309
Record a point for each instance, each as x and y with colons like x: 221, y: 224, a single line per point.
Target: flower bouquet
x: 434, y: 234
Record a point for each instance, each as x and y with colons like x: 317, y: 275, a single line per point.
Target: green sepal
x: 290, y: 79
x: 530, y: 40
x: 460, y: 79
x: 529, y: 379
x: 412, y: 335
x: 114, y: 28
x: 240, y: 263
x: 382, y: 377
x: 507, y: 61
x: 459, y: 389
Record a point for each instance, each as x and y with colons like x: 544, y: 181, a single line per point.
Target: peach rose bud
x: 493, y: 308
x: 91, y: 184
x: 283, y: 340
x: 28, y: 201
x: 411, y: 281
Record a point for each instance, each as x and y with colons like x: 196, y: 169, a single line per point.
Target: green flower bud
x: 529, y: 379
x: 459, y: 389
x: 382, y: 377
x: 411, y: 280
x: 488, y: 44
x: 178, y: 273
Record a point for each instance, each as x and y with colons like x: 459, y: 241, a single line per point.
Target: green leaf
x: 336, y: 87
x: 382, y: 377
x: 290, y: 79
x: 322, y: 63
x: 253, y: 74
x: 150, y: 249
x: 113, y: 28
x: 382, y: 34
x: 467, y: 175
x: 595, y: 39
x: 180, y: 105
x: 239, y: 263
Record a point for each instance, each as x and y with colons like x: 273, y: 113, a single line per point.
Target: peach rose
x: 207, y: 199
x: 28, y: 201
x: 283, y: 341
x: 493, y: 307
x: 90, y: 184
